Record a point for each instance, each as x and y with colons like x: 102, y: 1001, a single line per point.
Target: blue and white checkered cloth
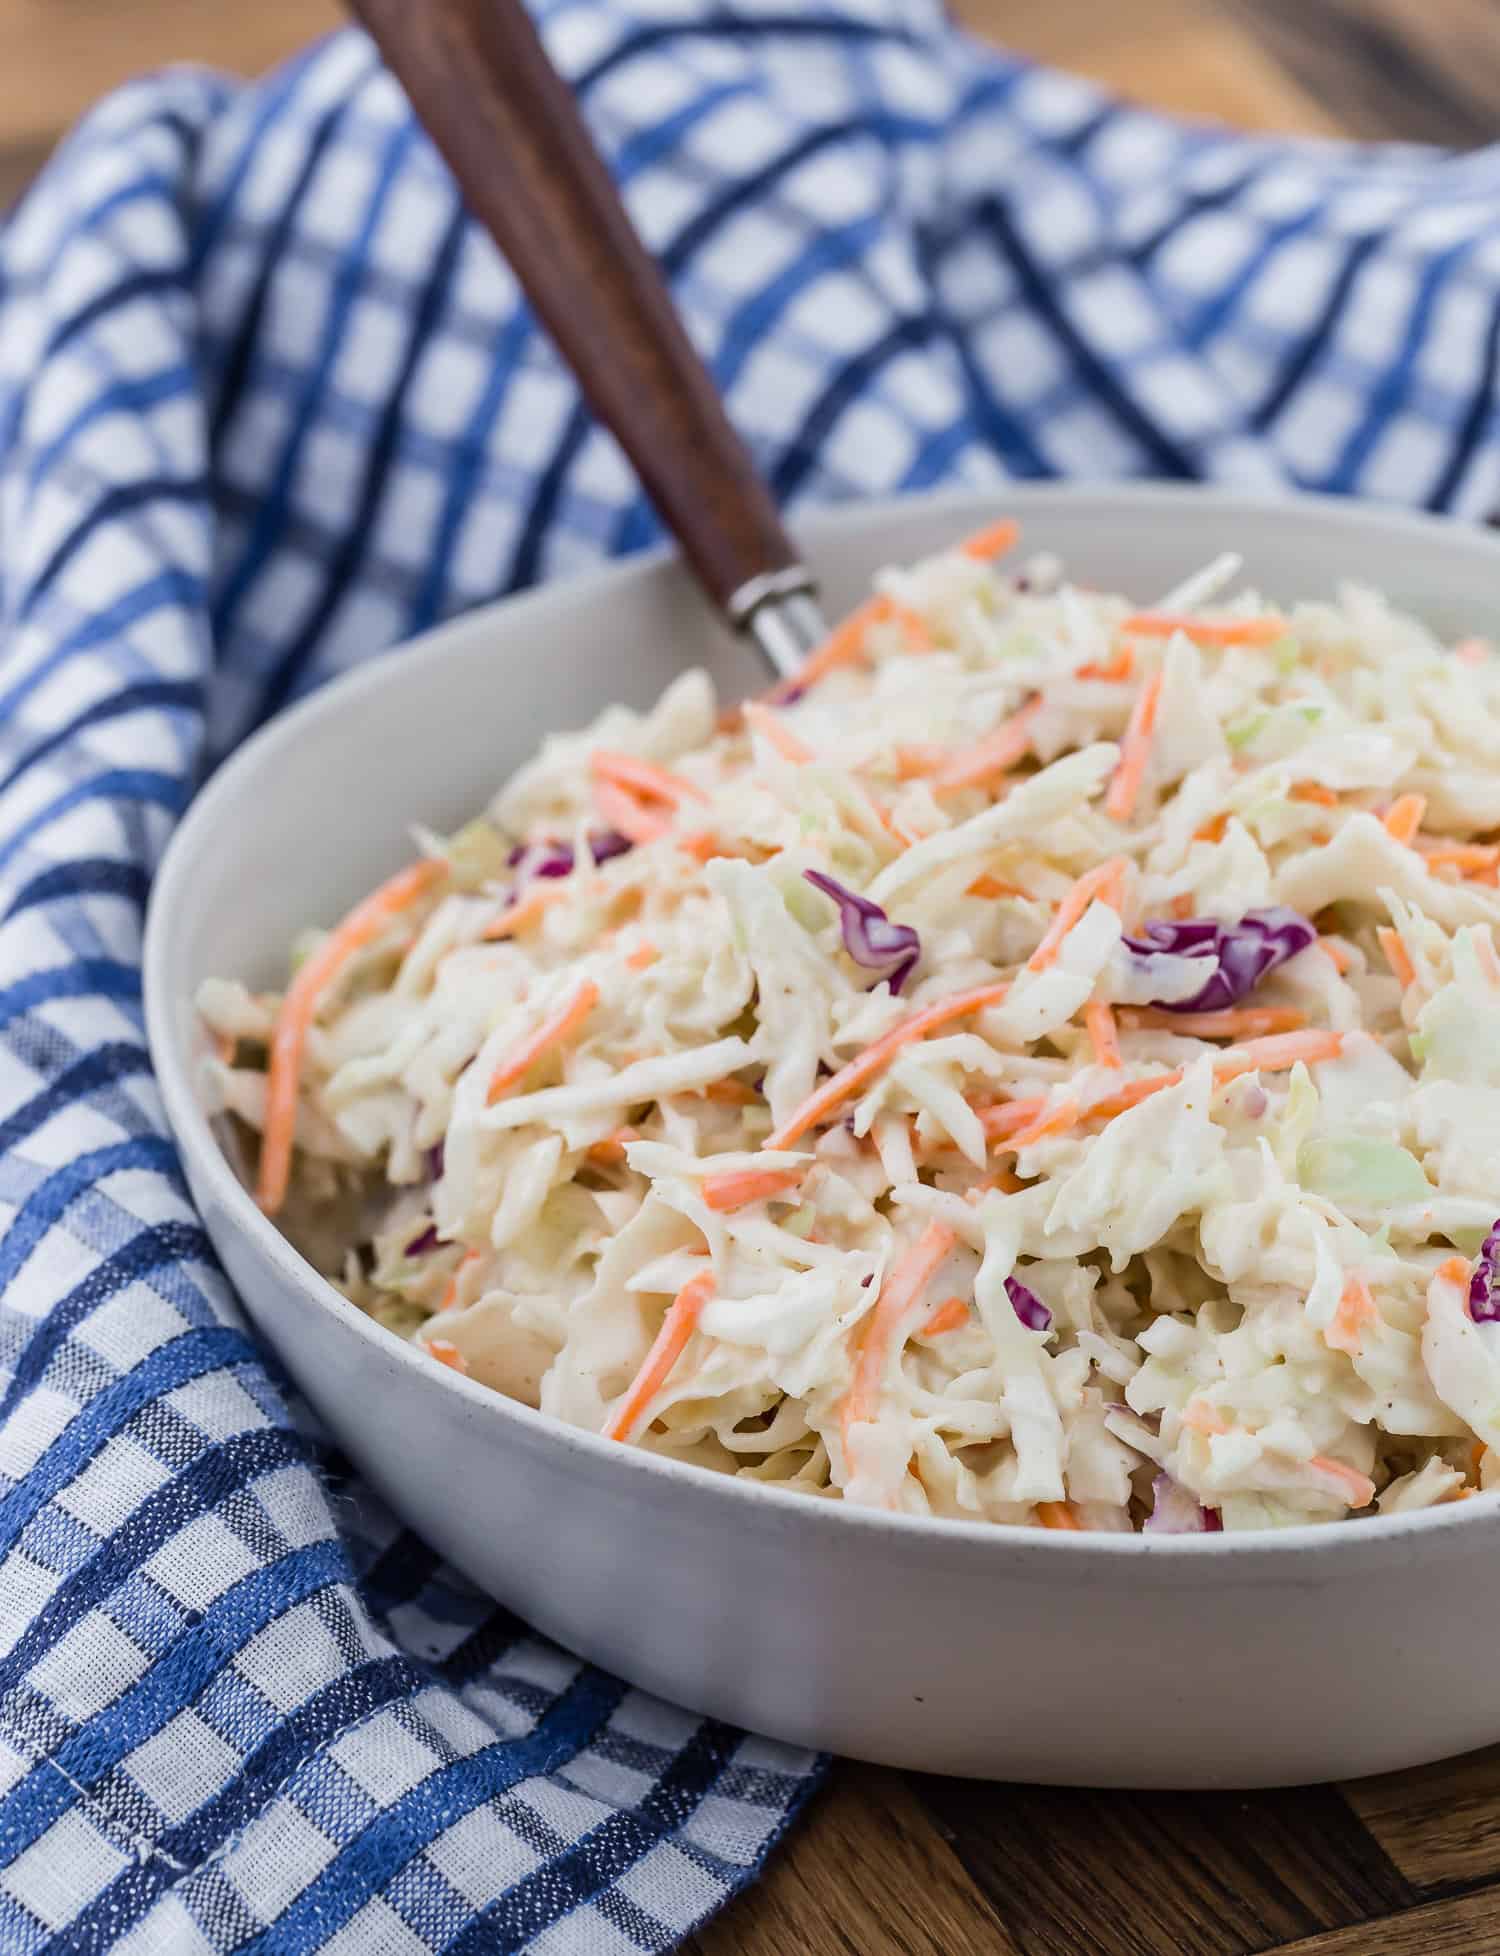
x: 267, y: 405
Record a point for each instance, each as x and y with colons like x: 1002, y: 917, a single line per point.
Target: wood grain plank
x: 1426, y: 70
x: 1439, y: 1824
x: 866, y: 1874
x: 1467, y: 1926
x: 1159, y: 1874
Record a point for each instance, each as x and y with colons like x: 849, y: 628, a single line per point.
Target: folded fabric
x: 268, y: 405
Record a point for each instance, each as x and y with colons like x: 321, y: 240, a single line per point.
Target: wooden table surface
x: 891, y: 1864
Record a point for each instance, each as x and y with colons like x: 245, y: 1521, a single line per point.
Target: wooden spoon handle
x: 481, y: 81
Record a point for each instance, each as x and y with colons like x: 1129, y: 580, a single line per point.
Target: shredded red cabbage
x: 1028, y: 1307
x: 1177, y: 1512
x: 1240, y: 954
x: 870, y: 937
x: 1484, y: 1304
x: 556, y: 858
x: 428, y: 1240
x: 435, y: 1156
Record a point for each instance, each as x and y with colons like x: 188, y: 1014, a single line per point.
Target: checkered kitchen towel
x: 267, y: 404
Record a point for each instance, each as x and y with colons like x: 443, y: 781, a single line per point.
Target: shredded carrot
x: 612, y: 1147
x: 992, y: 542
x: 768, y: 723
x: 741, y: 1186
x: 642, y: 956
x: 1361, y: 1487
x: 299, y: 1008
x: 992, y: 886
x: 951, y: 1315
x: 521, y: 916
x: 1466, y: 857
x: 1213, y: 830
x: 1338, y: 951
x: 677, y: 1327
x: 1453, y: 1270
x: 729, y: 719
x: 1135, y: 751
x: 1009, y: 1117
x: 1472, y: 651
x: 999, y: 1178
x: 1404, y: 817
x: 1313, y: 791
x: 1060, y: 1514
x: 1053, y: 1120
x: 731, y: 1093
x: 623, y: 811
x: 447, y: 1353
x: 1234, y: 1022
x: 1396, y: 955
x: 1200, y: 1417
x: 1236, y: 631
x: 1104, y: 881
x: 551, y: 1032
x: 845, y: 644
x: 1100, y: 1023
x: 902, y: 1289
x: 642, y: 778
x: 986, y: 759
x: 1356, y: 1310
x: 919, y: 758
x: 1182, y: 907
x: 1278, y: 1054
x: 1119, y: 665
x: 875, y: 1056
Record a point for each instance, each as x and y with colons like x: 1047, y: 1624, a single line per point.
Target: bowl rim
x: 1390, y: 1535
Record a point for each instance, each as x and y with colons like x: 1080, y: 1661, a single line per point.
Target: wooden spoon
x: 481, y: 82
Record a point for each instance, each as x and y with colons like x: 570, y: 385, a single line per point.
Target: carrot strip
x: 875, y: 1056
x: 1100, y: 1022
x: 1133, y: 1094
x: 447, y: 1353
x: 992, y: 886
x: 1361, y: 1487
x: 992, y: 542
x: 1404, y: 817
x: 741, y: 1186
x: 299, y: 1008
x: 999, y: 1178
x: 1338, y: 951
x: 677, y: 1327
x: 951, y: 1315
x: 731, y: 1092
x: 1213, y: 830
x: 450, y: 1294
x: 1135, y: 751
x: 1096, y: 882
x: 1235, y: 1022
x: 1060, y: 1514
x: 845, y: 645
x: 1009, y: 1117
x: 1396, y: 955
x: 1278, y: 1054
x: 1453, y: 1270
x: 902, y: 1288
x: 612, y: 1147
x: 551, y: 1032
x: 994, y: 755
x: 1119, y: 665
x: 1356, y: 1310
x: 1466, y: 857
x: 521, y: 916
x: 1182, y: 907
x: 645, y: 778
x: 624, y: 812
x: 1055, y: 1120
x: 642, y: 956
x: 1313, y: 791
x: 764, y: 720
x: 1199, y: 1417
x: 1236, y: 631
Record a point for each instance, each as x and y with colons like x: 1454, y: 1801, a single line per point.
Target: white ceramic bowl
x: 958, y: 1647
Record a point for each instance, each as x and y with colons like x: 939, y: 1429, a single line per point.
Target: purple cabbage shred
x: 1177, y: 1512
x: 435, y: 1162
x: 870, y: 937
x: 428, y: 1240
x: 1484, y: 1304
x: 1028, y: 1307
x: 556, y: 858
x: 1235, y: 956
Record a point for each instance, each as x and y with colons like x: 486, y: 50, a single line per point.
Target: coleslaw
x: 1041, y: 1066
